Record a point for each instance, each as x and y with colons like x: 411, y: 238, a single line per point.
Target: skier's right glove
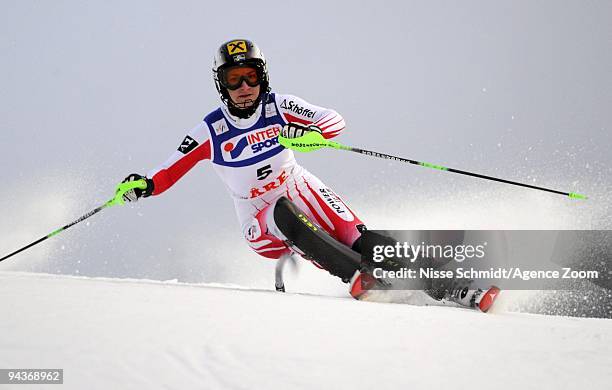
x: 296, y: 130
x: 136, y: 193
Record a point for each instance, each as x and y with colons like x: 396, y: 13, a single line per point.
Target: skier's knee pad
x: 313, y: 242
x: 285, y: 218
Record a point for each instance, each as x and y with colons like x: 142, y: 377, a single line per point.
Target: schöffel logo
x: 297, y: 109
x: 253, y: 143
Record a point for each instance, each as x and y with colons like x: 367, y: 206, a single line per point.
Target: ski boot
x: 361, y: 283
x: 478, y: 299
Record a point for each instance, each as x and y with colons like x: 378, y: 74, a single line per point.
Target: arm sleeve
x: 295, y: 109
x: 194, y: 148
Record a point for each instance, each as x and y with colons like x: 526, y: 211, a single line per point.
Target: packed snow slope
x: 135, y: 334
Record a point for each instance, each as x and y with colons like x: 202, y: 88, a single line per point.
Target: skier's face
x: 244, y: 96
x: 243, y: 85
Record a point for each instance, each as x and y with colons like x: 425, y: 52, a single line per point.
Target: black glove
x: 296, y: 130
x: 136, y: 193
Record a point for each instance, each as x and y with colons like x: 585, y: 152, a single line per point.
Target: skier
x: 266, y: 183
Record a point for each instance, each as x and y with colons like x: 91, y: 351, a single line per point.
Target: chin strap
x: 245, y: 113
x: 242, y: 113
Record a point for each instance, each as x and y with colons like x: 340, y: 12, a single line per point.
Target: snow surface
x: 138, y: 334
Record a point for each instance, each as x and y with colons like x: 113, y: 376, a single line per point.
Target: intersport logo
x: 245, y: 146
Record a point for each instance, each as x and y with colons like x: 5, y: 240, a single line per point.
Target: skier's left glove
x: 136, y: 193
x: 296, y: 130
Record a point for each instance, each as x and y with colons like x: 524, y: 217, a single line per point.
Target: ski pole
x: 314, y: 141
x: 117, y: 199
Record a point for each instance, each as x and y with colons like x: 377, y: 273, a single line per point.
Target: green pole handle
x: 122, y: 188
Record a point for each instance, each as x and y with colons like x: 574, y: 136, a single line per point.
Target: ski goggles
x: 233, y: 77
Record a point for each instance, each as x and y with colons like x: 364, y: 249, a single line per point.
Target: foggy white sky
x: 92, y: 91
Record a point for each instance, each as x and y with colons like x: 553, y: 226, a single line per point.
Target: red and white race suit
x: 257, y: 170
